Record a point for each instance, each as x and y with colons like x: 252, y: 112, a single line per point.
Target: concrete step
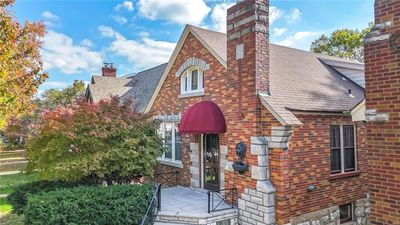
x: 188, y: 218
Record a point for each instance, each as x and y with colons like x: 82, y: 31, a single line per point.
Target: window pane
x: 168, y: 140
x: 178, y: 144
x: 195, y: 79
x: 346, y: 213
x: 335, y: 136
x: 349, y: 159
x: 348, y: 133
x: 335, y: 161
x: 186, y: 83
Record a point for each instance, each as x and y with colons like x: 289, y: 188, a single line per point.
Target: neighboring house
x: 136, y: 87
x: 382, y: 73
x: 300, y: 116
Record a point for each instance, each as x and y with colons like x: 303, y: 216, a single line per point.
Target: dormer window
x: 192, y: 81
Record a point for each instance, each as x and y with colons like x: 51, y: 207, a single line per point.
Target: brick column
x: 382, y: 78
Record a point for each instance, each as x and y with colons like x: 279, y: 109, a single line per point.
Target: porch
x: 182, y: 205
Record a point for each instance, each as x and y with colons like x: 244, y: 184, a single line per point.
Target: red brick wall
x: 307, y: 161
x: 382, y: 74
x: 215, y: 87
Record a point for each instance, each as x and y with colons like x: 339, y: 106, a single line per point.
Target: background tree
x: 54, y: 98
x: 20, y: 63
x: 19, y: 129
x: 107, y: 141
x: 345, y: 43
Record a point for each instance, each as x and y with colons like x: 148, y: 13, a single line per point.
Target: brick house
x: 382, y: 75
x: 298, y: 115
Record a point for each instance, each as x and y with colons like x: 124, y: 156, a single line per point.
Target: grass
x: 20, y: 166
x: 10, y: 154
x: 11, y: 219
x: 5, y: 207
x: 9, y: 182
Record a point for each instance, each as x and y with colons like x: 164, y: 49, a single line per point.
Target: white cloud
x: 54, y: 84
x: 143, y: 53
x: 106, y: 31
x: 120, y: 19
x: 298, y: 38
x: 274, y: 14
x: 49, y: 16
x: 279, y: 31
x: 294, y: 15
x: 287, y: 42
x: 59, y: 52
x: 304, y: 34
x: 218, y: 16
x: 126, y: 4
x: 176, y: 11
x: 86, y: 43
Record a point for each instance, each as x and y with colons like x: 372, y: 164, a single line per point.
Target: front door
x: 211, y: 162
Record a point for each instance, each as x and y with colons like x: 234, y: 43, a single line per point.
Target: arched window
x: 192, y: 80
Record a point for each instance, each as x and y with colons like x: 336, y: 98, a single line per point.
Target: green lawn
x: 11, y: 219
x: 7, y: 185
x: 9, y: 182
x: 11, y: 154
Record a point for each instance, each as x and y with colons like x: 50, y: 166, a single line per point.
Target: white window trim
x: 187, y: 74
x: 162, y: 159
x: 342, y: 153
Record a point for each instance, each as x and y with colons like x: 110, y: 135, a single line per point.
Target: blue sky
x: 139, y: 34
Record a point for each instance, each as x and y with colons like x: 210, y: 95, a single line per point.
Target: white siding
x: 354, y: 75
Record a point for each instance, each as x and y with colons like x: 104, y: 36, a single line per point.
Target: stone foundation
x: 330, y: 216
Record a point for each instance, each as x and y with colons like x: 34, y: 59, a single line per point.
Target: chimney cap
x: 109, y: 65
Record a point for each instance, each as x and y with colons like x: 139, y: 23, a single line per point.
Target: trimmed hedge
x: 118, y: 204
x: 19, y: 197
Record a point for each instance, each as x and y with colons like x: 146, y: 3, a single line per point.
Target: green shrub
x: 117, y: 204
x: 18, y: 198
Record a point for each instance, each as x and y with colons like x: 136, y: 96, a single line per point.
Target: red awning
x: 203, y: 118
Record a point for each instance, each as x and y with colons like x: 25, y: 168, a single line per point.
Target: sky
x: 139, y: 34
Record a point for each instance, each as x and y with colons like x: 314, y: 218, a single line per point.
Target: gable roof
x: 299, y: 80
x: 136, y: 87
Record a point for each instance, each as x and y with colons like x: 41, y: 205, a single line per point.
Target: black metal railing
x: 153, y: 207
x: 221, y: 199
x: 168, y: 179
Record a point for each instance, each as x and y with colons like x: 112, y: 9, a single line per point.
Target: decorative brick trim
x: 190, y: 62
x: 375, y: 34
x: 280, y: 137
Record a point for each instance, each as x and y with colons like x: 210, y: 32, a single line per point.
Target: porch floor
x: 181, y: 204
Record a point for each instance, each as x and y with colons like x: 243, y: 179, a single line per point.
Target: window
x: 172, y: 141
x: 346, y: 213
x: 192, y: 81
x: 343, y: 151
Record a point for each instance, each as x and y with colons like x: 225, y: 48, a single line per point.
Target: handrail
x: 153, y: 207
x: 167, y: 179
x: 223, y: 198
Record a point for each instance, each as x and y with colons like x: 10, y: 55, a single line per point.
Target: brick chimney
x: 248, y: 76
x: 382, y: 90
x: 108, y: 70
x: 248, y: 42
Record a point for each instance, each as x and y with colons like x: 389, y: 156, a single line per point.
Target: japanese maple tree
x: 108, y: 141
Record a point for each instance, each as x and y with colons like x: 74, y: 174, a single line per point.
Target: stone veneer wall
x: 330, y: 216
x: 195, y: 164
x: 223, y: 161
